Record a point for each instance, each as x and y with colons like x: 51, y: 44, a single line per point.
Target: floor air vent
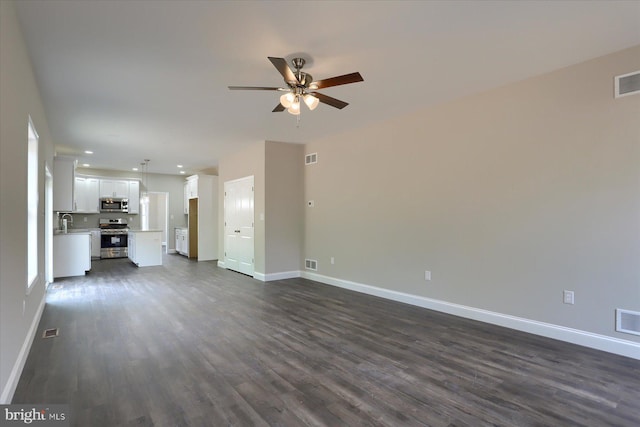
x: 628, y: 321
x: 50, y: 333
x: 627, y: 84
x: 310, y: 159
x: 311, y: 264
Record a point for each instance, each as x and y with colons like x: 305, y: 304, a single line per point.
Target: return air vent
x: 628, y: 321
x: 627, y: 84
x: 311, y: 264
x: 51, y: 333
x: 311, y: 159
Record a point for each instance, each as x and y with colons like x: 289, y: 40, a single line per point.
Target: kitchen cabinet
x: 71, y: 254
x: 134, y: 197
x: 192, y: 187
x: 145, y: 247
x: 86, y: 195
x: 64, y: 171
x: 186, y: 197
x: 182, y: 241
x: 114, y: 188
x: 190, y: 191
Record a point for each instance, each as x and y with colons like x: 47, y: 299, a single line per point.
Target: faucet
x: 69, y: 222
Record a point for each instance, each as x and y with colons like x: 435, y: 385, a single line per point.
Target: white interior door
x: 238, y: 225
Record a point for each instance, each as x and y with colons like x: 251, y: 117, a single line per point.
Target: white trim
x: 619, y: 328
x: 277, y: 276
x: 172, y: 251
x: 221, y: 264
x: 574, y: 336
x: 18, y: 366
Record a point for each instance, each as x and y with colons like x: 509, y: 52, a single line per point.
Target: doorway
x: 48, y: 226
x: 238, y: 225
x: 154, y: 214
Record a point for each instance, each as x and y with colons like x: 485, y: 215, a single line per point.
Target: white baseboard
x: 14, y: 376
x: 574, y: 336
x: 221, y: 263
x: 276, y: 276
x: 171, y: 251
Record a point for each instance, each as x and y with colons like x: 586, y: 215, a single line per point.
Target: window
x: 32, y: 206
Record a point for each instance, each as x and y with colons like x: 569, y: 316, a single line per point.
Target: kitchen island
x: 145, y: 247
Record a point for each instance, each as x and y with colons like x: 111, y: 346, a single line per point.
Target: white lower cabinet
x: 145, y: 247
x: 182, y: 241
x: 71, y: 254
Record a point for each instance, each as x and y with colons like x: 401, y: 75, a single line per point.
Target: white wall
x: 19, y: 311
x: 508, y: 197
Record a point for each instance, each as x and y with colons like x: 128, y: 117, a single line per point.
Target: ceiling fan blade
x: 337, y: 81
x: 252, y: 88
x: 330, y: 101
x: 282, y: 66
x: 278, y: 108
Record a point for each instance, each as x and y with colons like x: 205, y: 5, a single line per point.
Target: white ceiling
x: 148, y: 79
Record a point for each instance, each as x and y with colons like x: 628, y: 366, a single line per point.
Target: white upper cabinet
x: 114, y: 188
x: 190, y: 191
x: 86, y: 194
x: 64, y: 171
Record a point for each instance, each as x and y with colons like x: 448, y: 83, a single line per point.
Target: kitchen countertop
x: 145, y: 231
x: 71, y: 232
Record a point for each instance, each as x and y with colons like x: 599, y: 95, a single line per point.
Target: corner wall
x: 246, y: 162
x: 277, y: 168
x: 19, y: 99
x: 507, y: 197
x: 284, y: 231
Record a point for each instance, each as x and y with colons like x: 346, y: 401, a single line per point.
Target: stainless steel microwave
x: 114, y: 204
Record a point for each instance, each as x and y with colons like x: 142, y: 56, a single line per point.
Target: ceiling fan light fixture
x: 311, y: 101
x: 295, y: 107
x: 287, y: 99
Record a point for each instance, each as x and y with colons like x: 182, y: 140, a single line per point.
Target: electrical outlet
x: 333, y: 260
x: 568, y: 297
x: 427, y: 275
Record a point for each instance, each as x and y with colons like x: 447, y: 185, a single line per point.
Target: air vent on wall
x: 627, y: 84
x: 311, y: 264
x: 310, y: 159
x: 628, y: 321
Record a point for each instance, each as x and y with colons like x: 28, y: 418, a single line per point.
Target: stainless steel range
x: 113, y: 238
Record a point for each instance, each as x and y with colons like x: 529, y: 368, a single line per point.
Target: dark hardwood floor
x: 188, y: 344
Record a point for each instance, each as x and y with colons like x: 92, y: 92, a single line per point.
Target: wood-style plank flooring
x: 189, y: 344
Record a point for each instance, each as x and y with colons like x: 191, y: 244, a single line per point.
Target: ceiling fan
x: 300, y: 86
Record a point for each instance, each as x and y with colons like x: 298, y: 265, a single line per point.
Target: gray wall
x: 20, y: 98
x: 172, y: 184
x: 284, y: 206
x: 508, y: 197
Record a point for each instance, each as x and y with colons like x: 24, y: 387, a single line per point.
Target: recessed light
x: 179, y: 166
x: 88, y: 152
x: 86, y: 165
x: 135, y: 169
x: 181, y: 171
